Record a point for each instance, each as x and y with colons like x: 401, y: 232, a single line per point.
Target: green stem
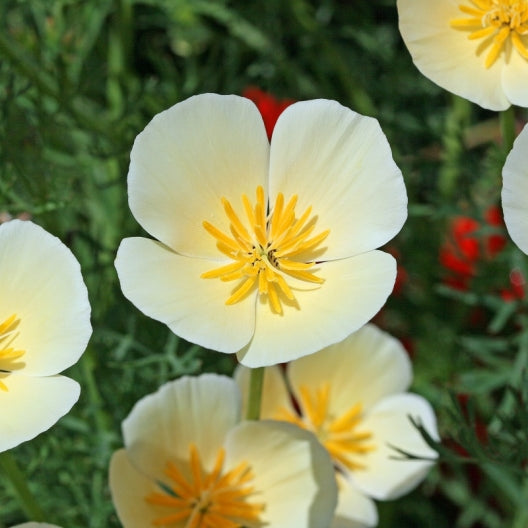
x: 507, y: 125
x: 456, y: 122
x: 256, y: 381
x: 10, y: 469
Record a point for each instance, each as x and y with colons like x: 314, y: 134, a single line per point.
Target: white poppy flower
x: 44, y: 329
x: 189, y: 461
x: 477, y: 49
x: 35, y: 525
x: 352, y: 397
x: 263, y: 250
x: 515, y: 191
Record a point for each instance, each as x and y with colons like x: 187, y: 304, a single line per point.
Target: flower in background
x: 477, y: 49
x: 189, y: 461
x: 44, y: 329
x: 352, y: 396
x: 269, y: 107
x: 35, y: 525
x: 263, y: 250
x: 465, y: 248
x: 515, y: 191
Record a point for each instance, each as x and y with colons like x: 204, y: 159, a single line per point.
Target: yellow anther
x: 496, y: 22
x: 341, y: 435
x: 207, y: 499
x: 267, y: 250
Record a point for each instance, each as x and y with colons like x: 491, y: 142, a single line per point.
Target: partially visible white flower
x: 35, y: 525
x: 352, y: 396
x: 477, y: 49
x: 515, y: 191
x: 189, y: 461
x: 266, y: 250
x: 44, y: 329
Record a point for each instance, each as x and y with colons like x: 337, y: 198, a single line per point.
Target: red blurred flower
x: 516, y: 289
x: 270, y: 107
x: 465, y: 248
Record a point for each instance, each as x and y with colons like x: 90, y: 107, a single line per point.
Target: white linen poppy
x: 263, y: 250
x: 189, y: 459
x: 475, y: 49
x: 44, y: 329
x: 35, y: 525
x: 515, y: 191
x: 352, y: 396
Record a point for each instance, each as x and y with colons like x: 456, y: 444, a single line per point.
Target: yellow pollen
x: 497, y: 22
x: 341, y: 435
x: 266, y: 249
x: 208, y: 500
x: 8, y: 353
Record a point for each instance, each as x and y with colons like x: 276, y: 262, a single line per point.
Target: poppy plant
x: 515, y: 190
x: 352, y: 396
x: 266, y: 250
x: 189, y: 462
x: 44, y: 329
x: 477, y: 49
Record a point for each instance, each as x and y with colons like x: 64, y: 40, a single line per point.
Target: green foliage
x: 79, y: 80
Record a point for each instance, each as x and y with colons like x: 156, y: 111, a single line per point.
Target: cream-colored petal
x: 446, y: 55
x: 388, y: 475
x: 35, y: 525
x: 189, y: 157
x: 515, y: 79
x: 340, y: 163
x: 354, y: 509
x: 41, y: 283
x: 162, y: 425
x: 275, y: 395
x: 129, y: 487
x: 32, y: 405
x: 168, y: 287
x: 294, y: 476
x: 364, y: 368
x: 353, y: 291
x: 515, y: 191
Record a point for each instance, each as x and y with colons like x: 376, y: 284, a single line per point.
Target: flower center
x: 271, y: 247
x: 206, y: 500
x: 496, y: 21
x: 8, y: 353
x: 339, y: 434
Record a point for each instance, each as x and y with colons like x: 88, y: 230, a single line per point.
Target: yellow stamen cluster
x: 8, y: 353
x: 339, y: 434
x: 497, y: 21
x: 269, y: 250
x: 208, y: 500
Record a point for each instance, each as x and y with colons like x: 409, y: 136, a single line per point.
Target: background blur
x: 80, y: 79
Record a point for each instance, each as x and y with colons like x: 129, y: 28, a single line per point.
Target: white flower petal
x: 161, y: 426
x: 41, y: 283
x: 340, y: 163
x: 294, y: 475
x: 515, y: 80
x: 275, y: 394
x: 167, y: 287
x: 388, y: 475
x: 31, y: 406
x: 364, y: 368
x: 129, y: 487
x: 446, y: 55
x: 189, y: 157
x: 353, y: 291
x: 35, y: 525
x: 515, y: 191
x: 354, y: 510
